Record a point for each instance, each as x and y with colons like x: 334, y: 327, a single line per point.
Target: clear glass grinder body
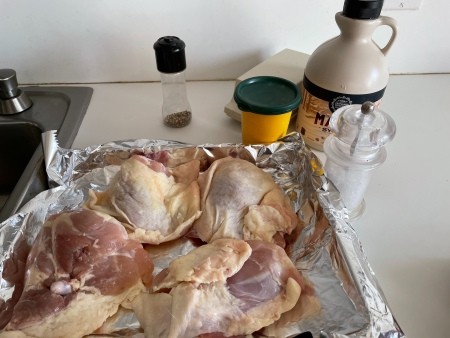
x: 171, y: 63
x: 354, y: 149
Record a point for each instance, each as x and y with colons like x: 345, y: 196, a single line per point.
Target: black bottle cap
x: 170, y: 56
x: 362, y: 9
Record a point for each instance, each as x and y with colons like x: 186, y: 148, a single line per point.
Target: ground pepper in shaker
x: 354, y: 149
x: 171, y: 63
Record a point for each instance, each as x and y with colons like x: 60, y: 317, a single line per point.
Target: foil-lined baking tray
x: 327, y: 251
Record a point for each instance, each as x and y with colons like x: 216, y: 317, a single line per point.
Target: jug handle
x: 388, y: 21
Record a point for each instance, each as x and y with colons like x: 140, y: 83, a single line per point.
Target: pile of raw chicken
x: 87, y: 265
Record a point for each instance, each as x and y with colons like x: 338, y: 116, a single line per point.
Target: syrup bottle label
x: 317, y: 106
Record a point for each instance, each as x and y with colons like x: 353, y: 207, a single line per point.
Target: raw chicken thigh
x: 240, y: 200
x: 157, y: 203
x: 81, y: 267
x: 230, y: 287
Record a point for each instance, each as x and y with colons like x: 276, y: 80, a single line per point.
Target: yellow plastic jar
x: 266, y: 103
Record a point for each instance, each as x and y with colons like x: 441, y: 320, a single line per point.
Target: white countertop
x: 405, y: 229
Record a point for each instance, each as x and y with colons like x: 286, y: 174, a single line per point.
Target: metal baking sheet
x: 327, y: 251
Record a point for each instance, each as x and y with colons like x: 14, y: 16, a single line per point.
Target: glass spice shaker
x: 354, y: 149
x: 171, y: 63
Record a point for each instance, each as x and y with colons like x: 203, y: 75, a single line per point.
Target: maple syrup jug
x: 348, y: 69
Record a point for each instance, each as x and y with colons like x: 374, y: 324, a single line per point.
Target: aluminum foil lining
x: 328, y: 251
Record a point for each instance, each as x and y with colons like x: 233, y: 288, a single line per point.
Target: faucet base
x: 16, y: 104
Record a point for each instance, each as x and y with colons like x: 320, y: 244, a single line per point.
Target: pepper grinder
x: 171, y: 63
x: 354, y: 149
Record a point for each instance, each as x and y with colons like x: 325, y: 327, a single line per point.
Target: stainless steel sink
x: 22, y: 170
x: 25, y: 136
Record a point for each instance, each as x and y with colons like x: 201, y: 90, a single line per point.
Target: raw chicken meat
x: 81, y: 267
x: 240, y: 200
x: 157, y: 203
x: 228, y: 287
x: 206, y: 264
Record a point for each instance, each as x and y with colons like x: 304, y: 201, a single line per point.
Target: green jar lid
x: 267, y: 95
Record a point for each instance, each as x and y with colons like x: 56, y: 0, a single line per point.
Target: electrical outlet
x: 402, y: 4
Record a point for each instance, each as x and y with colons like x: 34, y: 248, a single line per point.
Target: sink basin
x: 26, y: 137
x: 22, y: 170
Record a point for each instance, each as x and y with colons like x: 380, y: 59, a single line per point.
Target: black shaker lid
x: 170, y: 56
x: 362, y: 9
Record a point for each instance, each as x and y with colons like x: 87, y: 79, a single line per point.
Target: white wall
x: 82, y: 41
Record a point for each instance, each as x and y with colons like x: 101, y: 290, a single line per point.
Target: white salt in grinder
x: 354, y: 149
